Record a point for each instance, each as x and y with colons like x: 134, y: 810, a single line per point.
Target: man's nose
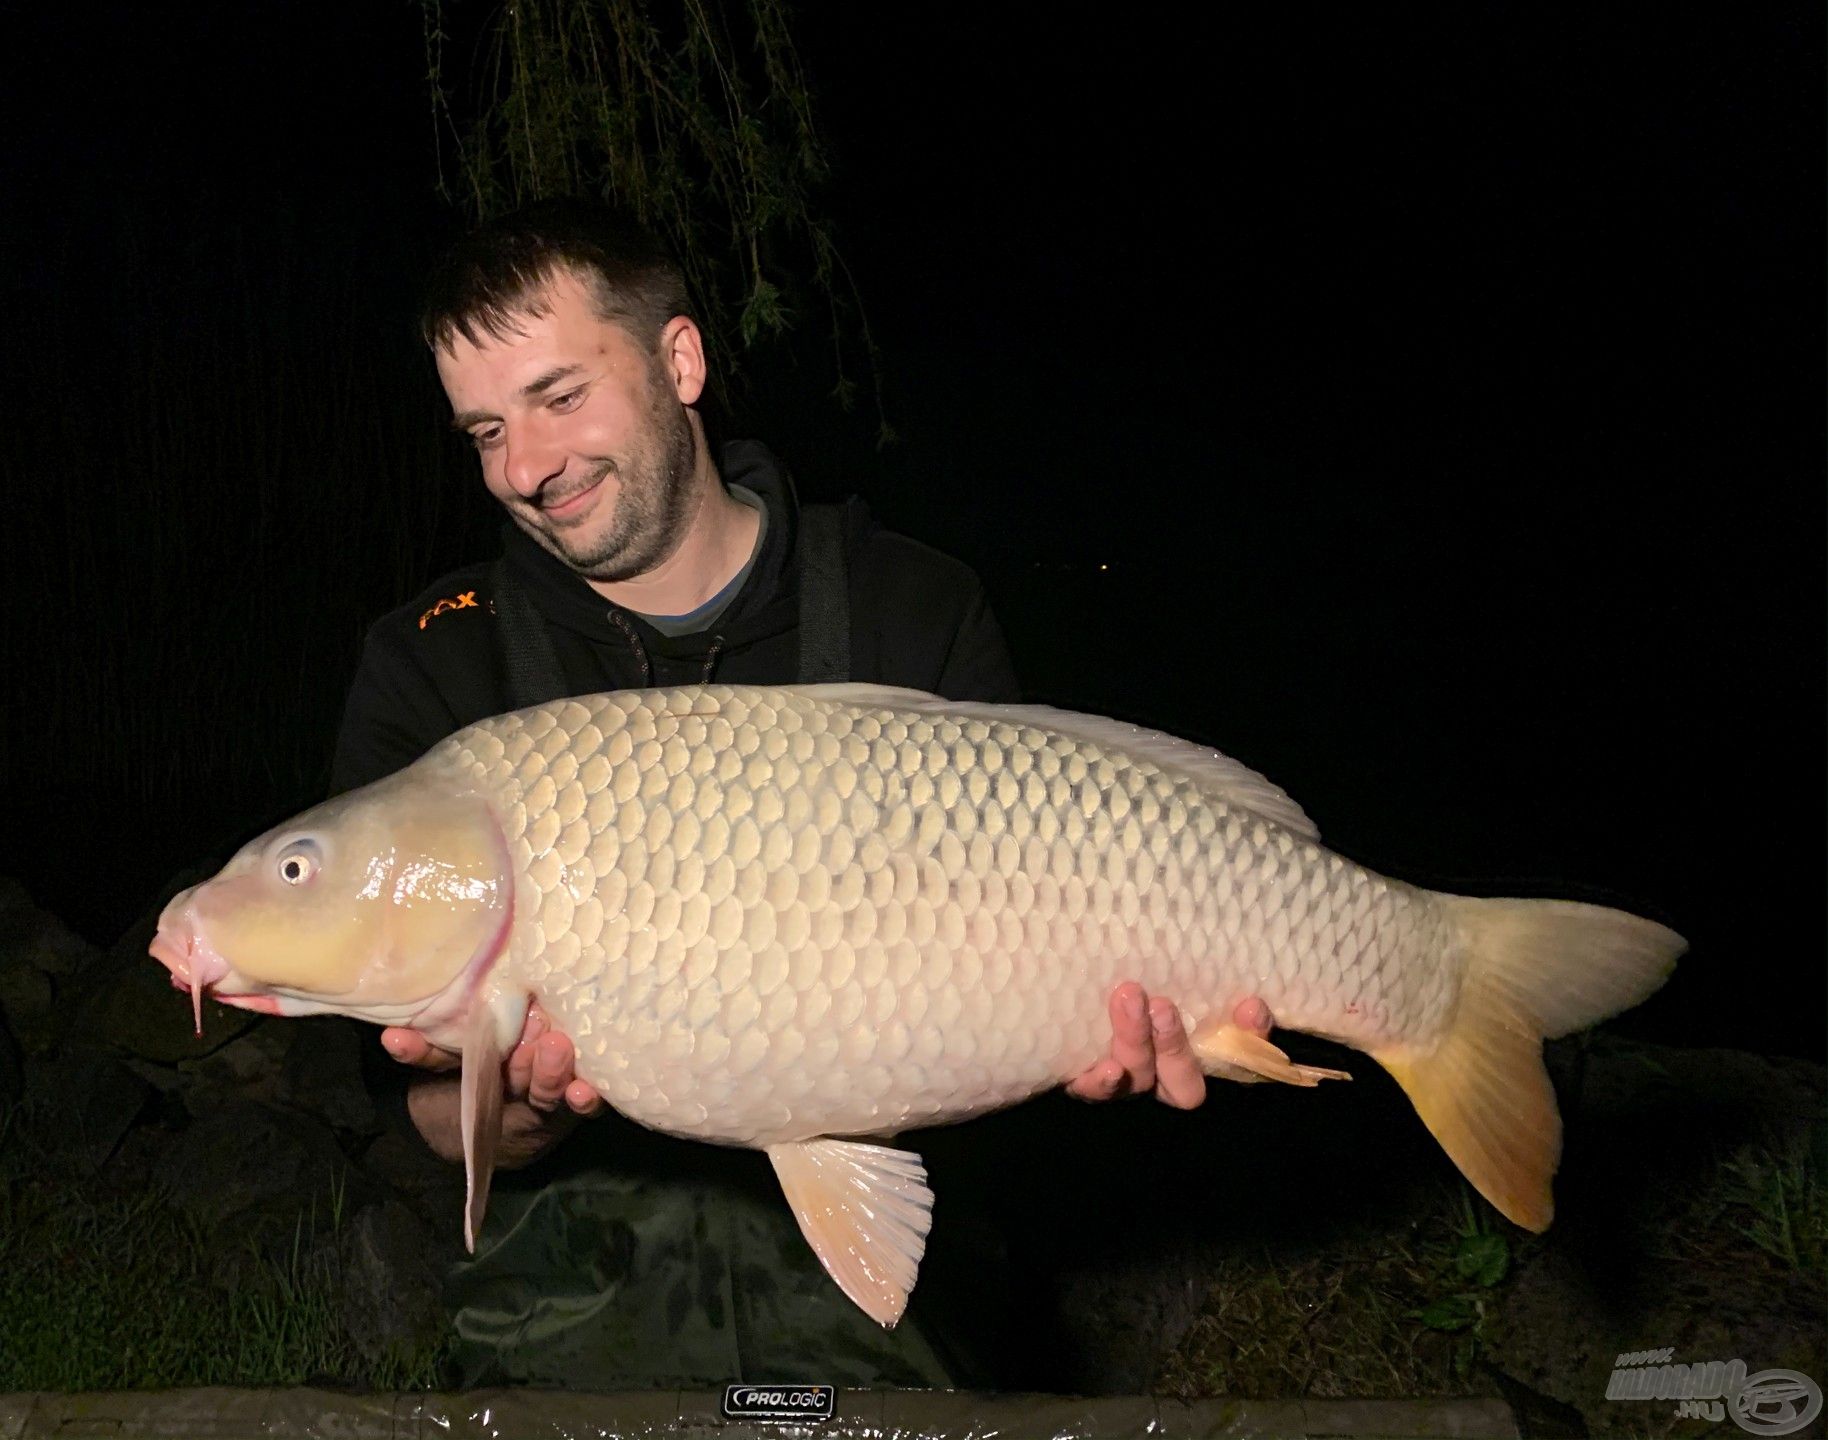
x: 530, y: 462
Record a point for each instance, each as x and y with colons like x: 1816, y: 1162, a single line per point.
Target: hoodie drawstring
x: 647, y: 667
x: 634, y: 640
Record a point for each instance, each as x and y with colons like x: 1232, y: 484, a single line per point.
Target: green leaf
x: 1483, y: 1259
x: 1451, y: 1312
x: 764, y: 312
x: 703, y: 125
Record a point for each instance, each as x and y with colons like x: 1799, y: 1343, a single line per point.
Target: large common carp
x: 784, y: 918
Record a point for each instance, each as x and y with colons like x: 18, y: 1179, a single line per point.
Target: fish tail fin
x: 1535, y: 969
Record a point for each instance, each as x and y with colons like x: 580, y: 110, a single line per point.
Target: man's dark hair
x: 493, y: 276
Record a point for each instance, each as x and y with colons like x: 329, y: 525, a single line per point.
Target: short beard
x: 655, y: 504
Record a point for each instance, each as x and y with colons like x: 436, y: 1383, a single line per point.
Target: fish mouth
x: 195, y: 967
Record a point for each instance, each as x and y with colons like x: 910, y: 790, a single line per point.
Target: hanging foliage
x: 695, y: 115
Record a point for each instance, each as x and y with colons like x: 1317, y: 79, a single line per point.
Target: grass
x: 1403, y: 1316
x: 1772, y: 1194
x: 106, y: 1289
x: 1764, y: 1206
x: 1413, y: 1314
x: 1464, y: 1272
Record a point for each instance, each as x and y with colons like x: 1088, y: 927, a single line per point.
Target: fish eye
x: 298, y: 862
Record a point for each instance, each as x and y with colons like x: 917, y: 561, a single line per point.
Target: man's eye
x: 484, y: 439
x: 569, y: 400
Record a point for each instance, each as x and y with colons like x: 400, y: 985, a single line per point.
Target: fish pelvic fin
x: 1230, y: 1052
x: 493, y: 1025
x: 865, y: 1210
x: 1535, y: 969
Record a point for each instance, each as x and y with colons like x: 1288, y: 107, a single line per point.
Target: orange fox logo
x: 465, y: 601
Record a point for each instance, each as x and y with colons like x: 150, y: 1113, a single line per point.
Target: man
x: 564, y: 342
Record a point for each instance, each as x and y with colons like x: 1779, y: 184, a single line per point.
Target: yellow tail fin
x: 1534, y: 969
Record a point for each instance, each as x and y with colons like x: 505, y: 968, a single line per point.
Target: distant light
x: 1104, y: 567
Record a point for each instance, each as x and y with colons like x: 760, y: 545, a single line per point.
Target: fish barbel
x: 786, y: 918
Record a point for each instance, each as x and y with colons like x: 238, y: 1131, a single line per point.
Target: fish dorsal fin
x: 494, y: 1024
x: 865, y: 1210
x: 1234, y: 782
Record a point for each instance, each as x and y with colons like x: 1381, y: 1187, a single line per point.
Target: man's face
x: 583, y: 434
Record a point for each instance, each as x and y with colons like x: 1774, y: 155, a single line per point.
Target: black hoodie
x: 433, y: 666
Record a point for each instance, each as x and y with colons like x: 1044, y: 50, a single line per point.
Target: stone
x: 310, y: 1065
x: 250, y: 1170
x: 321, y: 1073
x: 247, y: 1066
x: 38, y: 937
x: 393, y: 1276
x: 27, y: 1003
x: 127, y: 1000
x: 434, y: 1187
x: 81, y: 1104
x: 12, y: 1074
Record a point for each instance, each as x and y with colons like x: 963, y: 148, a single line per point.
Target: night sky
x: 1424, y: 406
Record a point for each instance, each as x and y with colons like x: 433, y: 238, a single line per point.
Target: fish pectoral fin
x: 488, y: 1035
x: 865, y: 1210
x: 1233, y: 1053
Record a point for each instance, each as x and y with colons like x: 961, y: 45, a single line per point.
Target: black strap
x: 534, y: 676
x: 825, y: 602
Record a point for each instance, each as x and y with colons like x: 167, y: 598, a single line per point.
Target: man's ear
x: 682, y: 358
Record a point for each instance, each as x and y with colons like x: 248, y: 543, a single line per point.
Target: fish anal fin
x: 865, y: 1210
x: 493, y: 1025
x: 1231, y: 1052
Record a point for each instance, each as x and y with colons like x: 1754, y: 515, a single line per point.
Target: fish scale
x: 963, y: 974
x: 782, y: 917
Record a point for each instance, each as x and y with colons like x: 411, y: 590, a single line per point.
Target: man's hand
x: 1149, y: 1050
x: 542, y: 1098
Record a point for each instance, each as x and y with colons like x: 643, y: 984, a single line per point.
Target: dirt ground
x: 1690, y: 1217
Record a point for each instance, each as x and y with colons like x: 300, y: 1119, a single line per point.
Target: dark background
x: 1442, y: 389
